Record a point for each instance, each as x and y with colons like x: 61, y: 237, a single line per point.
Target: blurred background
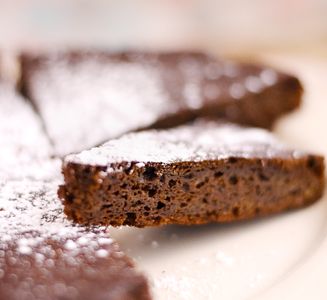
x: 222, y: 26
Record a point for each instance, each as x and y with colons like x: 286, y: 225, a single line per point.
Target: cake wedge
x: 45, y: 256
x: 197, y: 173
x: 87, y: 98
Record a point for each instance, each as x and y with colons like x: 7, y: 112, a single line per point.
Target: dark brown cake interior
x: 198, y: 176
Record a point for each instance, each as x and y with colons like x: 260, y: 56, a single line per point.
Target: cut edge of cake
x: 199, y: 173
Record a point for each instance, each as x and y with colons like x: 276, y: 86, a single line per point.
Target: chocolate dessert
x: 198, y: 173
x: 24, y: 147
x: 85, y: 99
x: 43, y: 256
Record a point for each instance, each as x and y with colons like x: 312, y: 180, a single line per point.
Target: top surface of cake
x: 43, y: 256
x: 24, y: 148
x: 21, y: 131
x: 201, y: 141
x: 30, y: 205
x: 93, y: 97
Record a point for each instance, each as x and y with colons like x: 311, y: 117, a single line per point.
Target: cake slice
x: 193, y: 174
x: 24, y: 147
x: 43, y: 256
x: 70, y: 265
x: 86, y: 99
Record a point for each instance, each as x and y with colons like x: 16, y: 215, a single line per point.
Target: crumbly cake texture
x: 24, y: 148
x: 200, y: 173
x: 43, y: 256
x: 88, y: 98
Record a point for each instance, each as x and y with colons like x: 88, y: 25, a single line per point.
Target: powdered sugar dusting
x: 46, y: 261
x: 33, y: 206
x: 99, y: 97
x: 197, y: 142
x: 20, y: 128
x: 41, y: 169
x: 237, y: 90
x: 30, y: 205
x: 269, y: 76
x: 44, y: 255
x: 24, y: 148
x: 254, y: 84
x: 112, y: 98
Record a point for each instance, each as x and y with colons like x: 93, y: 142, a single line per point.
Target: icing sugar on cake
x: 194, y: 174
x: 42, y: 255
x: 21, y: 129
x: 88, y: 98
x: 115, y: 97
x: 30, y: 205
x: 200, y: 141
x: 24, y: 148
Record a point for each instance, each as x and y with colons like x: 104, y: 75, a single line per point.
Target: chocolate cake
x: 43, y: 256
x: 88, y: 98
x: 199, y: 173
x: 24, y: 148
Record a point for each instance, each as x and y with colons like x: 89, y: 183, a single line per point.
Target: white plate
x: 280, y: 257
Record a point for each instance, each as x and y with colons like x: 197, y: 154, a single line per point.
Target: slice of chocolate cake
x: 24, y: 148
x: 86, y: 99
x: 42, y: 256
x: 68, y: 265
x: 200, y: 173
